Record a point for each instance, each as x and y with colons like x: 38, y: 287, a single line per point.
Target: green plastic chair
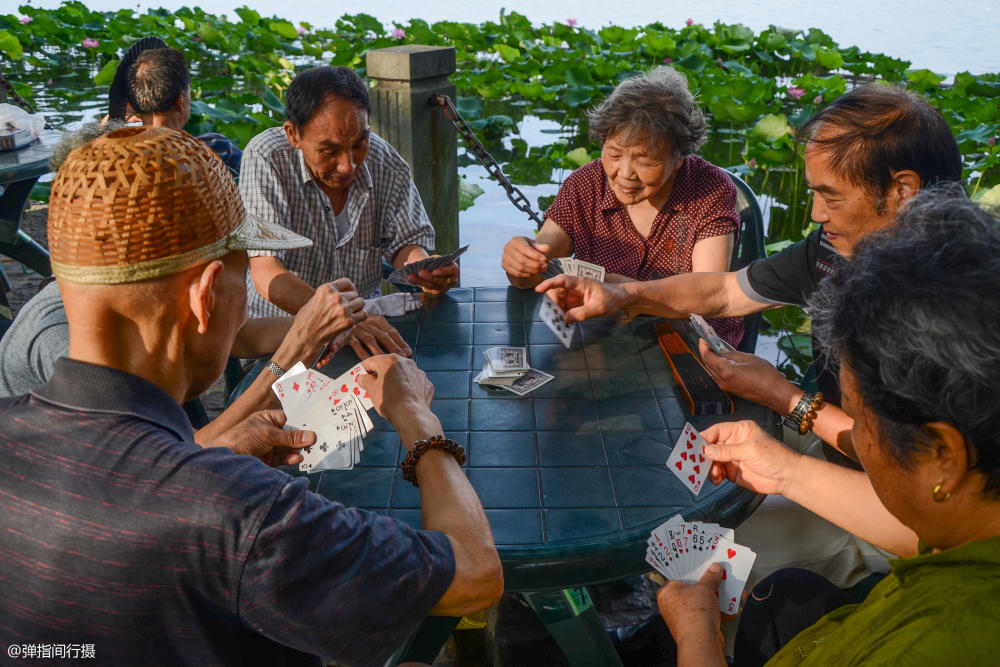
x: 749, y: 248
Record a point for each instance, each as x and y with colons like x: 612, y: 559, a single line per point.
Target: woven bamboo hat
x: 145, y: 202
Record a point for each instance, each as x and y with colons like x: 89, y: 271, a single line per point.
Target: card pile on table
x: 335, y: 409
x: 401, y: 276
x: 682, y: 550
x: 573, y: 267
x: 507, y: 368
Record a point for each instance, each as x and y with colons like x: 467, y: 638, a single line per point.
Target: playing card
x: 554, y: 318
x: 736, y: 561
x: 705, y: 330
x: 688, y: 460
x: 553, y: 268
x: 401, y: 275
x: 507, y: 359
x: 486, y: 377
x: 530, y: 381
x: 568, y: 265
x: 346, y: 384
x: 588, y: 270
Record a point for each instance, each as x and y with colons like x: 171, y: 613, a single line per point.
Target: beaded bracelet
x: 802, y: 417
x: 409, y: 464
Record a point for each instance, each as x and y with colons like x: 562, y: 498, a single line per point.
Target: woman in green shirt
x: 914, y: 319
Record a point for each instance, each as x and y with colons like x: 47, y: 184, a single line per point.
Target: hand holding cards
x: 688, y: 460
x: 573, y: 267
x: 554, y: 318
x: 336, y: 410
x: 705, y: 330
x: 682, y: 550
x: 402, y: 276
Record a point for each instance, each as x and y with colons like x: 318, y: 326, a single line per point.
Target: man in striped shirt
x: 326, y: 176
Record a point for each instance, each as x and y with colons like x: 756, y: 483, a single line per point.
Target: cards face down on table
x: 705, y: 330
x: 573, y: 267
x: 507, y: 367
x: 682, y: 550
x: 688, y: 460
x: 401, y: 276
x: 554, y: 318
x: 335, y: 409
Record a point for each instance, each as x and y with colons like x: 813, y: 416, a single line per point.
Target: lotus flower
x: 689, y: 22
x: 796, y: 93
x: 398, y: 33
x: 571, y: 22
x: 25, y: 20
x: 752, y: 163
x: 818, y: 99
x: 89, y: 43
x: 668, y: 60
x: 301, y: 31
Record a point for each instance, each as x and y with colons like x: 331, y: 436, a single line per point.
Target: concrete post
x: 407, y: 78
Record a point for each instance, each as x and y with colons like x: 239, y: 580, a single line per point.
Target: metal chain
x: 18, y: 100
x: 492, y: 168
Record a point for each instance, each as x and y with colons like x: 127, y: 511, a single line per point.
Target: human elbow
x: 483, y: 587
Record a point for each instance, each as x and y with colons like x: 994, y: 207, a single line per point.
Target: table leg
x: 570, y: 618
x: 25, y: 250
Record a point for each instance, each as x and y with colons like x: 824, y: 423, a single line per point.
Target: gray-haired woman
x: 650, y: 207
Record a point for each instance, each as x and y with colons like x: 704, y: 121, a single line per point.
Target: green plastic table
x: 19, y: 171
x: 573, y: 475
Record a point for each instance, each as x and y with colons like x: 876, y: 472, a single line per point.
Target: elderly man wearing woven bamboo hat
x: 122, y: 534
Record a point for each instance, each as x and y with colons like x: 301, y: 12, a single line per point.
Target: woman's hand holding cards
x: 744, y: 454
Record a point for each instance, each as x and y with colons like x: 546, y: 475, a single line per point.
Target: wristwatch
x: 277, y: 370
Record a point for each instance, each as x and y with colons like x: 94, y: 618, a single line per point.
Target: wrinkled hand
x: 523, y: 258
x: 583, y: 298
x: 334, y: 308
x: 691, y: 611
x: 750, y: 377
x: 376, y: 336
x: 396, y: 385
x: 261, y: 435
x: 438, y: 281
x: 744, y: 454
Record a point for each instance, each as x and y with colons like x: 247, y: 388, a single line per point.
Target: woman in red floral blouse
x: 650, y: 207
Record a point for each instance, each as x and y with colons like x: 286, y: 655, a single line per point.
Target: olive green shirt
x: 932, y: 609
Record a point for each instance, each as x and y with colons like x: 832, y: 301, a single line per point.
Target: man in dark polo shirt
x: 120, y: 534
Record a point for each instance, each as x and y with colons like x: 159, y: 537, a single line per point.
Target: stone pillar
x: 407, y: 79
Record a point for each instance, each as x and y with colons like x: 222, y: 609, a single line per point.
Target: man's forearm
x: 258, y: 396
x: 846, y: 497
x: 407, y: 254
x: 708, y: 294
x: 260, y: 336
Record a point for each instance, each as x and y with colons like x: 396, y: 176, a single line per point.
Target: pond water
x: 946, y: 37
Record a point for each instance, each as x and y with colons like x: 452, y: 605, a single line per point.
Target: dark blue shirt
x: 229, y: 152
x: 117, y: 530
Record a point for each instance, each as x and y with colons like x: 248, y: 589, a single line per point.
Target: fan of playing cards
x: 336, y: 410
x: 573, y: 267
x: 401, y: 276
x: 682, y: 550
x: 507, y: 367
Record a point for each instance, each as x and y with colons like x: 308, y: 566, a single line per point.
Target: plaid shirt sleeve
x: 264, y: 193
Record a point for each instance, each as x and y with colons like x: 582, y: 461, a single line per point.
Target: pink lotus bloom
x: 49, y: 82
x: 25, y: 20
x: 571, y: 23
x: 668, y: 60
x: 992, y: 141
x: 818, y: 99
x: 689, y: 22
x: 301, y: 31
x: 89, y: 43
x: 398, y: 33
x: 796, y: 93
x: 752, y: 163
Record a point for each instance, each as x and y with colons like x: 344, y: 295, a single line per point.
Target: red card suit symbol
x: 336, y: 401
x: 357, y: 392
x: 697, y: 469
x: 343, y: 388
x: 684, y: 455
x: 701, y: 459
x: 723, y: 575
x: 679, y: 465
x: 690, y: 446
x: 730, y: 553
x: 692, y: 436
x: 691, y: 478
x: 295, y: 386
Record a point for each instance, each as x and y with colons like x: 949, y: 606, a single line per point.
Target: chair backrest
x: 749, y: 248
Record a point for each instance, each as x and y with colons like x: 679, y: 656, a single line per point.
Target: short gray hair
x: 70, y: 141
x: 657, y: 102
x: 913, y: 315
